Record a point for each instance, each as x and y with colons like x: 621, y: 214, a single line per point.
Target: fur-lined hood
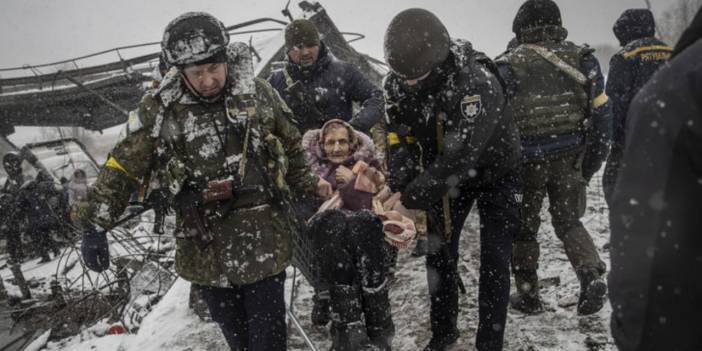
x: 364, y: 149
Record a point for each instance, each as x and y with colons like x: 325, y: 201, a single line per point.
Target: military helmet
x: 536, y: 13
x: 193, y: 37
x: 415, y: 42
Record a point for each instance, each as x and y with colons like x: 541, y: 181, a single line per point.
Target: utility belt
x: 199, y: 208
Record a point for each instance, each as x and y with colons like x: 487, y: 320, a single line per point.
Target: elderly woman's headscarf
x: 353, y: 138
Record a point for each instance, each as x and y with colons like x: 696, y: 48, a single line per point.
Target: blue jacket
x: 327, y: 90
x: 631, y: 67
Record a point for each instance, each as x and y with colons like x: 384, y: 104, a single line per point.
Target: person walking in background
x: 655, y: 282
x: 629, y: 70
x: 557, y: 93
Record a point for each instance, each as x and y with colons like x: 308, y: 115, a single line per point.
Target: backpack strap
x: 564, y: 67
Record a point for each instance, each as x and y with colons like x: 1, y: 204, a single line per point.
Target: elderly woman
x: 354, y: 236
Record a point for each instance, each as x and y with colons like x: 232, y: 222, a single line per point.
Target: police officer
x: 319, y: 87
x: 452, y: 142
x: 629, y: 70
x: 232, y: 157
x: 557, y: 94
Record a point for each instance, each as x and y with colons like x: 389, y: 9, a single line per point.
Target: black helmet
x: 194, y: 37
x: 415, y: 42
x: 536, y: 13
x: 12, y: 161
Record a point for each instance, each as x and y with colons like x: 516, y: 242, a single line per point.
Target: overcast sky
x: 41, y: 31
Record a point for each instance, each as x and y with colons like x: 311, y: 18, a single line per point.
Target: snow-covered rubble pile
x: 172, y: 325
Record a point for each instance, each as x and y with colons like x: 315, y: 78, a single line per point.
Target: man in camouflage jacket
x: 232, y: 157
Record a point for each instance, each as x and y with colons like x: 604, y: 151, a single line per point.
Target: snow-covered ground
x: 171, y: 325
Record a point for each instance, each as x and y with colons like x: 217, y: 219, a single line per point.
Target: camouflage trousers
x: 559, y: 178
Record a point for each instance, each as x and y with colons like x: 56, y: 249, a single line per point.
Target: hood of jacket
x: 364, y: 149
x: 634, y: 24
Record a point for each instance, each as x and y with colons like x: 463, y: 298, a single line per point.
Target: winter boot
x: 348, y: 331
x: 524, y: 264
x: 442, y: 342
x: 320, y: 308
x: 16, y: 270
x: 527, y: 299
x: 420, y: 249
x: 593, y: 290
x: 377, y: 310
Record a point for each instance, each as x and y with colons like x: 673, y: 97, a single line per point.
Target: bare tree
x: 676, y: 18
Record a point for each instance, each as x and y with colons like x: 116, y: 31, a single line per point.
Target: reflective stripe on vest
x: 638, y: 50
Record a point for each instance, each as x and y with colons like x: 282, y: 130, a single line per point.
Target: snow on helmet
x: 415, y: 42
x: 193, y: 37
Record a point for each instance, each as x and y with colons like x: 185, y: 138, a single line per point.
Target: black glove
x: 94, y: 249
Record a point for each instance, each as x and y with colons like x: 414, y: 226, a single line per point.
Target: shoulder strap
x: 445, y: 204
x: 288, y: 79
x: 564, y: 67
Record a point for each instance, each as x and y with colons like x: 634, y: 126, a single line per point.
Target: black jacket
x: 656, y: 247
x: 481, y: 139
x: 42, y: 203
x: 632, y: 66
x: 326, y: 91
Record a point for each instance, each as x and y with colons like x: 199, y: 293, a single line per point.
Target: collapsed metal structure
x: 98, y: 97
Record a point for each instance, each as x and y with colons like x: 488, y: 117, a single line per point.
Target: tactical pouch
x: 217, y: 190
x: 194, y: 223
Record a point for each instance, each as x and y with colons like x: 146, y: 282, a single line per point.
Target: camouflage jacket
x: 192, y: 143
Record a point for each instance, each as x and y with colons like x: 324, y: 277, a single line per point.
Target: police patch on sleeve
x: 471, y: 106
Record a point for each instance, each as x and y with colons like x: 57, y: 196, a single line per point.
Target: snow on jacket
x: 655, y: 282
x: 327, y: 90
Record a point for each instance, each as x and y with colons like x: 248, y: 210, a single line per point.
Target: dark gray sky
x: 41, y: 31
